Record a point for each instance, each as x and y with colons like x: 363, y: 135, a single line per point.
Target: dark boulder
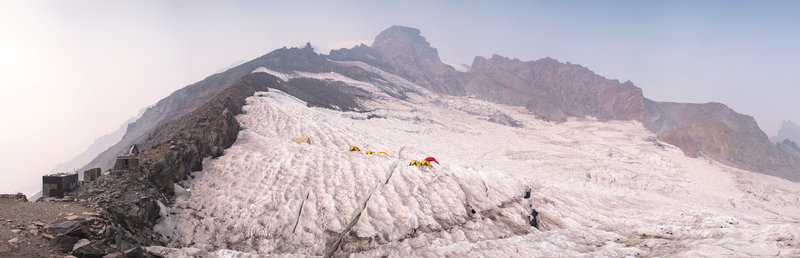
x: 92, y: 250
x: 65, y: 243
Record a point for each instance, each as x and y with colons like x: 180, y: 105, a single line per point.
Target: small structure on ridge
x: 56, y: 185
x: 91, y: 174
x: 129, y: 161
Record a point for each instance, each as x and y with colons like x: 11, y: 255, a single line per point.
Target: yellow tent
x: 354, y: 148
x: 301, y: 140
x: 370, y: 152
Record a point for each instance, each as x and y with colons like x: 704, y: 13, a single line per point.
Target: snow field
x: 600, y: 188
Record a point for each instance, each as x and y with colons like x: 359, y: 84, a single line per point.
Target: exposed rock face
x: 715, y: 130
x: 18, y: 196
x: 554, y: 90
x: 790, y: 147
x: 191, y: 97
x: 412, y: 57
x: 174, y: 149
x: 789, y: 130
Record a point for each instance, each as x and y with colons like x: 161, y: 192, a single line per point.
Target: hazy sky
x: 71, y: 71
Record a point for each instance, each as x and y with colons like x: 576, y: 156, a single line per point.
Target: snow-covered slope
x: 596, y: 188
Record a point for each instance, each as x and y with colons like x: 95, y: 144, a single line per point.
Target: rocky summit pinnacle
x: 409, y: 55
x: 789, y: 130
x: 405, y: 42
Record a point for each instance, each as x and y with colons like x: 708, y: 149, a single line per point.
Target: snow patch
x: 459, y: 67
x: 599, y: 188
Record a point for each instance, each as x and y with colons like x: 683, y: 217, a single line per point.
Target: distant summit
x: 405, y: 44
x: 789, y: 130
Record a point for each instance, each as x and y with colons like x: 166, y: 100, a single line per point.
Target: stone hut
x: 129, y: 161
x: 91, y: 174
x: 56, y: 185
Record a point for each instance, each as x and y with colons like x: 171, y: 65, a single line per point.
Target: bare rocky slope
x: 716, y: 131
x: 198, y: 121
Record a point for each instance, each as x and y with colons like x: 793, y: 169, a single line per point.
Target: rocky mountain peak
x: 405, y: 42
x: 403, y: 51
x: 789, y: 130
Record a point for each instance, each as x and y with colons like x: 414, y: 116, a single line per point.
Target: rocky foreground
x: 57, y: 228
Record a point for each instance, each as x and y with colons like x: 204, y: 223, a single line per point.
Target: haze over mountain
x: 540, y: 158
x: 107, y: 60
x: 789, y: 130
x: 567, y: 132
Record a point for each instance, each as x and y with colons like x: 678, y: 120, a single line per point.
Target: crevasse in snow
x: 598, y: 188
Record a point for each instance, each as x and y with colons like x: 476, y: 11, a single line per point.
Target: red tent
x: 432, y: 159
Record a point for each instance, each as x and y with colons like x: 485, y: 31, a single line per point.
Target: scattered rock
x: 81, y: 243
x: 92, y: 214
x: 114, y: 255
x: 527, y: 193
x: 93, y: 249
x: 73, y: 217
x: 48, y: 236
x: 18, y: 196
x: 13, y: 241
x: 15, y: 231
x: 534, y: 221
x: 65, y: 242
x: 62, y: 227
x: 5, y: 249
x: 135, y: 252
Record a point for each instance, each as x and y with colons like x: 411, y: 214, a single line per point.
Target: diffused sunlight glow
x: 72, y: 71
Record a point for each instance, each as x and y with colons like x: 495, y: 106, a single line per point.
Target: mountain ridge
x: 554, y: 91
x: 550, y: 89
x: 198, y: 121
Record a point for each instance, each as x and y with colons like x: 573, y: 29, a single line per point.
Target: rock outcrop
x: 717, y: 131
x: 18, y: 196
x: 553, y: 90
x: 174, y: 149
x: 190, y: 98
x: 409, y: 55
x: 789, y: 130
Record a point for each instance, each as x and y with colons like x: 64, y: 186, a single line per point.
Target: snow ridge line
x: 353, y: 222
x: 300, y: 212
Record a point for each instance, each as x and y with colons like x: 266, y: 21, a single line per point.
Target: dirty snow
x: 599, y: 188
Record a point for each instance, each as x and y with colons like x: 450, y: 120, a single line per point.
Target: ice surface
x: 600, y: 188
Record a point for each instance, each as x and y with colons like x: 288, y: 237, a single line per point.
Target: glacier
x: 579, y: 188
